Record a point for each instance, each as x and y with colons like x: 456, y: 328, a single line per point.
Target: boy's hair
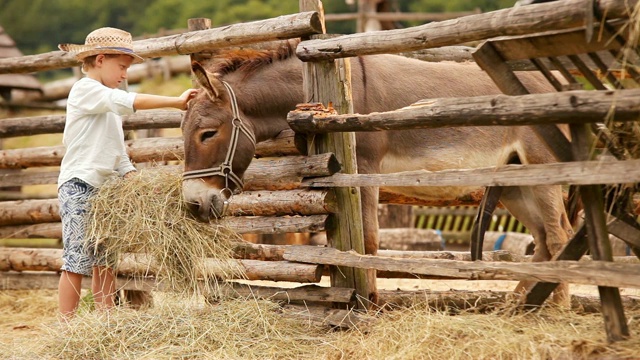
x: 90, y: 61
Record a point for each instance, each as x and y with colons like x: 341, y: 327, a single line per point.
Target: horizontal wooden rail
x: 400, y: 16
x: 52, y: 124
x: 25, y: 259
x: 521, y: 20
x: 536, y: 109
x: 239, y: 224
x: 155, y: 149
x: 263, y: 174
x: 248, y: 203
x: 601, y: 273
x: 572, y: 173
x: 282, y: 27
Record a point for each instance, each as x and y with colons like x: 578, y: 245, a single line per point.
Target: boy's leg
x: 103, y: 286
x: 69, y: 293
x: 74, y: 198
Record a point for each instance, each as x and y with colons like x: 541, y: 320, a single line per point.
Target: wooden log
x: 335, y: 318
x: 24, y: 259
x: 515, y: 243
x: 278, y: 203
x: 276, y: 225
x: 306, y: 293
x: 574, y: 173
x: 164, y: 68
x: 49, y: 230
x: 330, y: 82
x: 401, y: 16
x: 507, y: 22
x: 46, y: 280
x: 550, y: 108
x: 51, y: 124
x: 401, y: 239
x: 240, y: 224
x: 481, y: 300
x: 262, y: 174
x: 249, y: 203
x: 463, y: 54
x: 29, y: 212
x: 600, y: 273
x: 282, y: 27
x: 156, y: 149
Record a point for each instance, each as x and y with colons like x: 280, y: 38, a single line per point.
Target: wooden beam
x: 282, y: 27
x: 325, y: 83
x: 578, y: 173
x: 24, y: 259
x: 239, y: 224
x: 580, y: 107
x: 521, y: 20
x: 586, y: 273
x: 306, y: 293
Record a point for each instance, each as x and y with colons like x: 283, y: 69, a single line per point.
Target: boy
x: 95, y: 150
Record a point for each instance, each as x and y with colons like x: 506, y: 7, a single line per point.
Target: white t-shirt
x: 93, y: 135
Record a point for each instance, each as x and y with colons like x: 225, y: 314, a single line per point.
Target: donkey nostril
x: 194, y: 207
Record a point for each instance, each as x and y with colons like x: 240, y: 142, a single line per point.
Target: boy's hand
x: 130, y: 174
x: 186, y: 96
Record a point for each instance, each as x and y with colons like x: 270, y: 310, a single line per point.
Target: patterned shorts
x: 79, y: 256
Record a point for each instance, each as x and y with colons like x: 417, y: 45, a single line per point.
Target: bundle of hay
x: 145, y: 215
x: 626, y: 135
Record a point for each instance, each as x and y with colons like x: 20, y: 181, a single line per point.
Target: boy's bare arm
x: 147, y: 101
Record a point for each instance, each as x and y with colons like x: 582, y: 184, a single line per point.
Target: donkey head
x: 219, y: 144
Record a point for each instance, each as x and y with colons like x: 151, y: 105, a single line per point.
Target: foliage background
x: 39, y: 25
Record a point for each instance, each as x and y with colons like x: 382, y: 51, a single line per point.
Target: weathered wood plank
x: 314, y: 293
x: 330, y: 82
x: 587, y: 273
x: 239, y: 224
x: 507, y: 22
x: 25, y: 259
x: 579, y: 107
x: 249, y: 203
x: 324, y: 316
x: 51, y: 124
x: 282, y: 27
x: 145, y: 150
x: 45, y: 280
x: 577, y: 173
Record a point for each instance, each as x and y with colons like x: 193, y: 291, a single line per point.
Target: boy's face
x: 113, y: 69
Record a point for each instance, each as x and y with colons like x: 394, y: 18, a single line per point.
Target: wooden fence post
x: 326, y: 82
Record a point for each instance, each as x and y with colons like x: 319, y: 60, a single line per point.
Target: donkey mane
x: 249, y: 59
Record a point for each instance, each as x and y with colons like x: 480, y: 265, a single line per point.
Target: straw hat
x: 105, y: 40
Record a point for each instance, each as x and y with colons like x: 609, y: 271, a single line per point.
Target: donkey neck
x: 267, y: 95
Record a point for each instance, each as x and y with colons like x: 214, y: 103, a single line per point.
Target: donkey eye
x: 207, y: 135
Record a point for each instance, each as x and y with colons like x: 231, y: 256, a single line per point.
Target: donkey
x: 261, y: 87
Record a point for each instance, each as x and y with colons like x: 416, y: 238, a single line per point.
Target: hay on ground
x: 188, y: 328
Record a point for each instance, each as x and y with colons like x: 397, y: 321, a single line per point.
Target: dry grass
x: 145, y: 214
x: 188, y: 328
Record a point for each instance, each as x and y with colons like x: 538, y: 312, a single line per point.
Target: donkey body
x: 267, y: 89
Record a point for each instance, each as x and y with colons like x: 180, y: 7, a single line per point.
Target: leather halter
x: 225, y: 168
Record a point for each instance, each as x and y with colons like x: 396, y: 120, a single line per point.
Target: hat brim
x: 83, y: 51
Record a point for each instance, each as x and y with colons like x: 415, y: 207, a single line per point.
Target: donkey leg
x: 541, y: 210
x: 369, y: 200
x: 487, y: 206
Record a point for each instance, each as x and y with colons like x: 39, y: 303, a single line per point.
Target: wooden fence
x: 284, y: 174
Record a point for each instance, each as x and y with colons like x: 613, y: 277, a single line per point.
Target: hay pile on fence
x: 626, y: 135
x: 145, y: 215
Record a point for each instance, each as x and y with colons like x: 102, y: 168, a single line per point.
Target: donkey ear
x: 208, y: 82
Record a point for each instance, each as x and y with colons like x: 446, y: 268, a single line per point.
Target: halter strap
x: 225, y: 168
